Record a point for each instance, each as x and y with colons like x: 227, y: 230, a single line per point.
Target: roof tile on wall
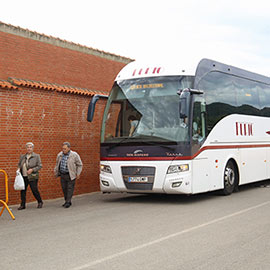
x: 7, y: 85
x: 15, y: 82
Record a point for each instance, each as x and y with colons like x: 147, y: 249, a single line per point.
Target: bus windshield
x: 145, y: 110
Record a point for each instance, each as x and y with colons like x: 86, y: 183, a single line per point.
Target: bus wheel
x: 230, y: 178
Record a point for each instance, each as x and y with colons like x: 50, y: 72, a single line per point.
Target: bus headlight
x: 178, y: 168
x: 105, y: 168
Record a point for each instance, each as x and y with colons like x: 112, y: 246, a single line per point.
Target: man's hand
x: 29, y: 171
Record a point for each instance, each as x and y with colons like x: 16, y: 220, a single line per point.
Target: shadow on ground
x: 175, y: 199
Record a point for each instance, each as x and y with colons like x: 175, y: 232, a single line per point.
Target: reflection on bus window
x: 144, y: 109
x: 227, y: 94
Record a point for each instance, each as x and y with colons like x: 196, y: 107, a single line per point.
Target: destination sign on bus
x: 146, y: 86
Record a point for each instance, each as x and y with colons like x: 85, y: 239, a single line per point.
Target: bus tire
x: 230, y: 178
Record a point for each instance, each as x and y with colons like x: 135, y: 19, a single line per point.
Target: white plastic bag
x: 19, y: 182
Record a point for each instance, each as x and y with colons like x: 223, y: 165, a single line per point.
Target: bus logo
x: 244, y: 129
x: 147, y: 71
x: 137, y: 153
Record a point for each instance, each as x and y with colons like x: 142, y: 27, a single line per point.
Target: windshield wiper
x: 161, y: 145
x: 142, y: 142
x: 154, y: 140
x: 118, y: 143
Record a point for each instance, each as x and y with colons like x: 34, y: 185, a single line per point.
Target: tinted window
x: 227, y: 94
x: 264, y: 97
x: 220, y: 96
x: 220, y: 88
x: 247, y: 96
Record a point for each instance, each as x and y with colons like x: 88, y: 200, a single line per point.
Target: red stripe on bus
x: 186, y: 157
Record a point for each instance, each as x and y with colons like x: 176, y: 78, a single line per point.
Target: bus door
x: 201, y: 170
x: 198, y: 123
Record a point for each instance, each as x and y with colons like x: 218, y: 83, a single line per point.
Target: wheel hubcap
x: 229, y: 176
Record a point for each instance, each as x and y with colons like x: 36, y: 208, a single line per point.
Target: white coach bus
x: 183, y: 131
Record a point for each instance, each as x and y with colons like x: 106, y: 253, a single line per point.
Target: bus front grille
x: 138, y: 177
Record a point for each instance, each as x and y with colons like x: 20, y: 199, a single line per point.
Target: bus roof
x: 206, y: 65
x: 138, y: 69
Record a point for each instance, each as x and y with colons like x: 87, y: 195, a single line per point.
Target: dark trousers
x: 34, y: 187
x: 67, y: 187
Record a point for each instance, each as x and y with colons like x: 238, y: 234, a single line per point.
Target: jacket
x: 34, y: 163
x: 74, y: 164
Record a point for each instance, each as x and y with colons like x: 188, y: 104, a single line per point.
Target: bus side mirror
x: 92, y: 105
x: 185, y: 100
x: 183, y: 108
x: 184, y: 103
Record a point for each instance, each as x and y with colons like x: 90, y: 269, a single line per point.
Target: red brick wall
x: 30, y: 59
x: 48, y: 118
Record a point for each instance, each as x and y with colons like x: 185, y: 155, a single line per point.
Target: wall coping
x: 18, y: 31
x: 15, y: 83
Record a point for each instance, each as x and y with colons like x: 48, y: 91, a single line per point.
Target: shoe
x: 67, y: 205
x: 21, y: 207
x: 40, y: 205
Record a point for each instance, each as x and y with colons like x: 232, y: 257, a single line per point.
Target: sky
x: 235, y: 32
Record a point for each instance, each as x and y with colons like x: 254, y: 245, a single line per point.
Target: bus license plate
x: 138, y: 179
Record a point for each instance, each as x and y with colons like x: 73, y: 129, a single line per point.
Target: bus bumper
x: 107, y: 183
x: 178, y: 184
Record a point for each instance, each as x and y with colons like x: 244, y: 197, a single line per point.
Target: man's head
x: 29, y: 147
x: 131, y: 118
x: 66, y: 147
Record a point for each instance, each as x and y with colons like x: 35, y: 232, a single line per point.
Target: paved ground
x: 121, y: 231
